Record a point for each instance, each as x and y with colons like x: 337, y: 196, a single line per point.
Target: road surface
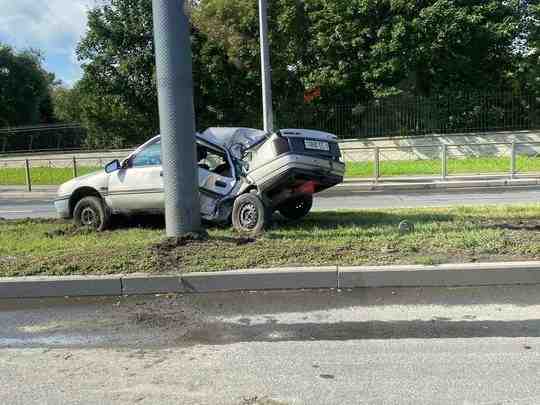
x: 378, y: 346
x: 331, y: 200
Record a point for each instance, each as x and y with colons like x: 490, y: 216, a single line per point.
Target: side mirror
x: 112, y: 166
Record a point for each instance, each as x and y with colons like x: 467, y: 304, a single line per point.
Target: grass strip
x: 388, y: 168
x: 11, y: 176
x: 53, y: 247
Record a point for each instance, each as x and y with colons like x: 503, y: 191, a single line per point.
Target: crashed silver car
x: 245, y: 175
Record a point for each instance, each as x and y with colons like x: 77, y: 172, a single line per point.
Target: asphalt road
x: 332, y: 199
x: 23, y: 208
x: 378, y: 346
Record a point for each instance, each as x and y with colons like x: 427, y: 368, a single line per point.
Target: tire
x: 296, y: 207
x: 249, y: 215
x: 92, y: 213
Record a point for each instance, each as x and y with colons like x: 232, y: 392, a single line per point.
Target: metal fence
x: 410, y: 116
x: 402, y: 115
x: 49, y: 171
x: 512, y: 159
x: 42, y: 137
x: 447, y: 161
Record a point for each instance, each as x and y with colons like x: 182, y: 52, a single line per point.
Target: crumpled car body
x: 275, y: 169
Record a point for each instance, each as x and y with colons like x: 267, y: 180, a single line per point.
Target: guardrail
x: 512, y: 159
x: 444, y: 161
x: 54, y: 171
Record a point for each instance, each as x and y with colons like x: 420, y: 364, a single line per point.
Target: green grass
x: 329, y: 238
x: 41, y: 175
x: 433, y: 167
x: 56, y: 176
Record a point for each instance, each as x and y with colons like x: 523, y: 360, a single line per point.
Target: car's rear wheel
x: 249, y: 214
x: 92, y: 213
x: 296, y: 207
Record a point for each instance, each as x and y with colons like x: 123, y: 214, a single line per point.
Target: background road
x: 367, y: 346
x: 11, y: 208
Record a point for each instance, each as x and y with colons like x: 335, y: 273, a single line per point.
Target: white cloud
x: 47, y: 24
x: 52, y: 26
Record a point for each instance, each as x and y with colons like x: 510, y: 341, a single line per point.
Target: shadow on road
x: 218, y: 333
x: 227, y: 318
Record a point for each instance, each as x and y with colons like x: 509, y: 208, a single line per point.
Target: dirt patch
x: 521, y: 225
x: 170, y: 254
x: 69, y: 231
x: 169, y: 244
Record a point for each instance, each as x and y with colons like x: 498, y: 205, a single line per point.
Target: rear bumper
x: 290, y: 168
x: 62, y: 207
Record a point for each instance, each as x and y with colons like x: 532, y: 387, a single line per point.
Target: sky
x: 52, y: 26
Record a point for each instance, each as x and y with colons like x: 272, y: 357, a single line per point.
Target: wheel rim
x: 89, y: 217
x: 248, y: 216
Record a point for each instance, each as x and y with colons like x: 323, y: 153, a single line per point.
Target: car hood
x: 97, y: 180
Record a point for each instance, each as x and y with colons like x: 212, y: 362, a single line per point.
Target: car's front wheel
x: 92, y: 213
x: 249, y: 214
x: 296, y: 207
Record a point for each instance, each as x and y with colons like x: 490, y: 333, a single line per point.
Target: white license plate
x: 316, y: 145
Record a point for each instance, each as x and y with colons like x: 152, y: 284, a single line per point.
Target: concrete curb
x: 436, y: 185
x: 51, y: 286
x: 264, y: 279
x: 297, y: 278
x: 444, y: 275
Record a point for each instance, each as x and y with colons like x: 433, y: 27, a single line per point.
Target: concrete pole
x: 266, y: 72
x: 176, y: 116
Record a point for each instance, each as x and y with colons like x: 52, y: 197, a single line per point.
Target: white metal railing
x: 377, y: 156
x: 441, y: 153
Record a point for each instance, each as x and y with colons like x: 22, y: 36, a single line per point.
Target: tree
x: 232, y: 26
x: 424, y: 47
x: 349, y: 49
x: 526, y: 75
x: 119, y: 70
x: 24, y: 88
x: 118, y: 90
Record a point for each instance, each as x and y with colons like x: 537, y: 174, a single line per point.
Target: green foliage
x: 394, y: 46
x: 117, y: 94
x: 526, y: 76
x: 24, y: 88
x: 351, y: 49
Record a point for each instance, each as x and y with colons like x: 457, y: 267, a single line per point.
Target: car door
x: 138, y: 186
x: 216, y: 176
